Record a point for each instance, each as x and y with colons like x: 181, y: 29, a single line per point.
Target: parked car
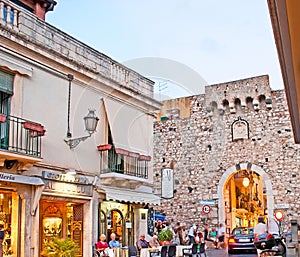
x: 241, y: 240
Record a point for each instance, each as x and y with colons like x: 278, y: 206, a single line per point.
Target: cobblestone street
x: 223, y: 253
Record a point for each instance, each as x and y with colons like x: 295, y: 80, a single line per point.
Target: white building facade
x: 49, y: 81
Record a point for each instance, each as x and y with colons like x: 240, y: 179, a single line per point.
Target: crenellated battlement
x: 253, y: 93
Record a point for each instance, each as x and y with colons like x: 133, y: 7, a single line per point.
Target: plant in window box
x: 165, y: 236
x: 60, y: 247
x: 2, y: 117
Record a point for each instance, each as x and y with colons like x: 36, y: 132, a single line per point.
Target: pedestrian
x: 260, y: 227
x: 221, y: 236
x: 158, y: 227
x: 192, y: 233
x: 206, y: 234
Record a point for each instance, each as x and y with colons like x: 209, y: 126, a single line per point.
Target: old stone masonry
x: 236, y: 131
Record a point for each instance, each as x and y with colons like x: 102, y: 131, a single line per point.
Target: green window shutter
x: 6, y: 82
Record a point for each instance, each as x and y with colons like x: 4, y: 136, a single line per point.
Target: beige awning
x: 131, y: 196
x: 131, y: 129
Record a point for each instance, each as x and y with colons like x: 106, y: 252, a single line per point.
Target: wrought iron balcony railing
x: 111, y: 161
x: 20, y: 136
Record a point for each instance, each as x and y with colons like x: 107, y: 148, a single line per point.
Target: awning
x: 15, y: 178
x: 131, y: 196
x: 37, y: 186
x: 131, y: 129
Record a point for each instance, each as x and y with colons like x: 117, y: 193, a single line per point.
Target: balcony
x: 121, y: 168
x: 20, y: 142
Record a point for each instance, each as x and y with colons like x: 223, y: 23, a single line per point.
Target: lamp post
x: 90, y: 122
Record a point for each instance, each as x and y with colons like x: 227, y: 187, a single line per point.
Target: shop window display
x: 6, y: 216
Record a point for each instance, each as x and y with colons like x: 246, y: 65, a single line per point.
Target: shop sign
x: 20, y: 179
x: 65, y: 177
x: 67, y: 188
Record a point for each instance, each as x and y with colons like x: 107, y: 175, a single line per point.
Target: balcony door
x: 6, y: 90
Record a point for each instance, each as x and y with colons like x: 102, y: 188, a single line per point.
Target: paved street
x: 223, y: 253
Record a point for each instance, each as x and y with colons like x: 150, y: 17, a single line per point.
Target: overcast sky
x: 220, y: 40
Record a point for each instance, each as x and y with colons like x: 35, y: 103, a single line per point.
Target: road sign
x: 207, y: 202
x: 205, y: 209
x: 279, y: 215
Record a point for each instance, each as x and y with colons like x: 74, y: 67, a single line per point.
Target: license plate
x: 244, y: 240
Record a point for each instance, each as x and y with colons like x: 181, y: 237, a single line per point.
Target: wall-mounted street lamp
x: 90, y: 122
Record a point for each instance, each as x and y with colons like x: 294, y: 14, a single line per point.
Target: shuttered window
x: 6, y: 82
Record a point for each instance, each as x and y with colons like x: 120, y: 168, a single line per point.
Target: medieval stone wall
x: 201, y: 147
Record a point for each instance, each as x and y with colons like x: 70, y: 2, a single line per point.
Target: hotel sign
x: 67, y: 184
x: 67, y: 188
x: 78, y: 179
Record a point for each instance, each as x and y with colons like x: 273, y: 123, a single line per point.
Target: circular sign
x: 279, y: 215
x: 206, y: 209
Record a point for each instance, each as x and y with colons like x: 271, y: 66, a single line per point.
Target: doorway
x: 115, y: 225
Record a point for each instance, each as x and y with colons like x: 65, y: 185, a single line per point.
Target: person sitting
x: 142, y: 243
x: 206, y: 234
x: 213, y: 235
x: 113, y: 243
x: 102, y: 246
x: 154, y: 242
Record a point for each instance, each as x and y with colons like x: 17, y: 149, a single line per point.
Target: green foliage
x: 165, y: 235
x: 63, y: 247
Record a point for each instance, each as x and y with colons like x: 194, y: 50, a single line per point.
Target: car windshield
x: 242, y: 231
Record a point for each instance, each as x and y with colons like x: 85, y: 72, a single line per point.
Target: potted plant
x: 60, y: 247
x: 165, y: 236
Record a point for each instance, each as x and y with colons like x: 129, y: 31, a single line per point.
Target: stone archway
x: 230, y: 171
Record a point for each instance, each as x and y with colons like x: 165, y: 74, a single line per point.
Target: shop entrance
x: 244, y: 199
x: 61, y: 220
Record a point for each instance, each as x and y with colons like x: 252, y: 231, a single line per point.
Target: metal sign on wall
x: 167, y: 183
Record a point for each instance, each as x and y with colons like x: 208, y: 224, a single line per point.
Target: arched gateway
x: 230, y: 206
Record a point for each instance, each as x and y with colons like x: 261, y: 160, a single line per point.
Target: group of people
x: 181, y: 236
x: 194, y: 234
x: 102, y: 246
x: 213, y: 235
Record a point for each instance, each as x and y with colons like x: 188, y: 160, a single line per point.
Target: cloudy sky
x: 219, y: 40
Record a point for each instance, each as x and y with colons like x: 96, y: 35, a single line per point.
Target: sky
x: 220, y: 41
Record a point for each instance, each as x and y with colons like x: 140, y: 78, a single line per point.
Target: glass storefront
x: 9, y: 205
x: 116, y: 218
